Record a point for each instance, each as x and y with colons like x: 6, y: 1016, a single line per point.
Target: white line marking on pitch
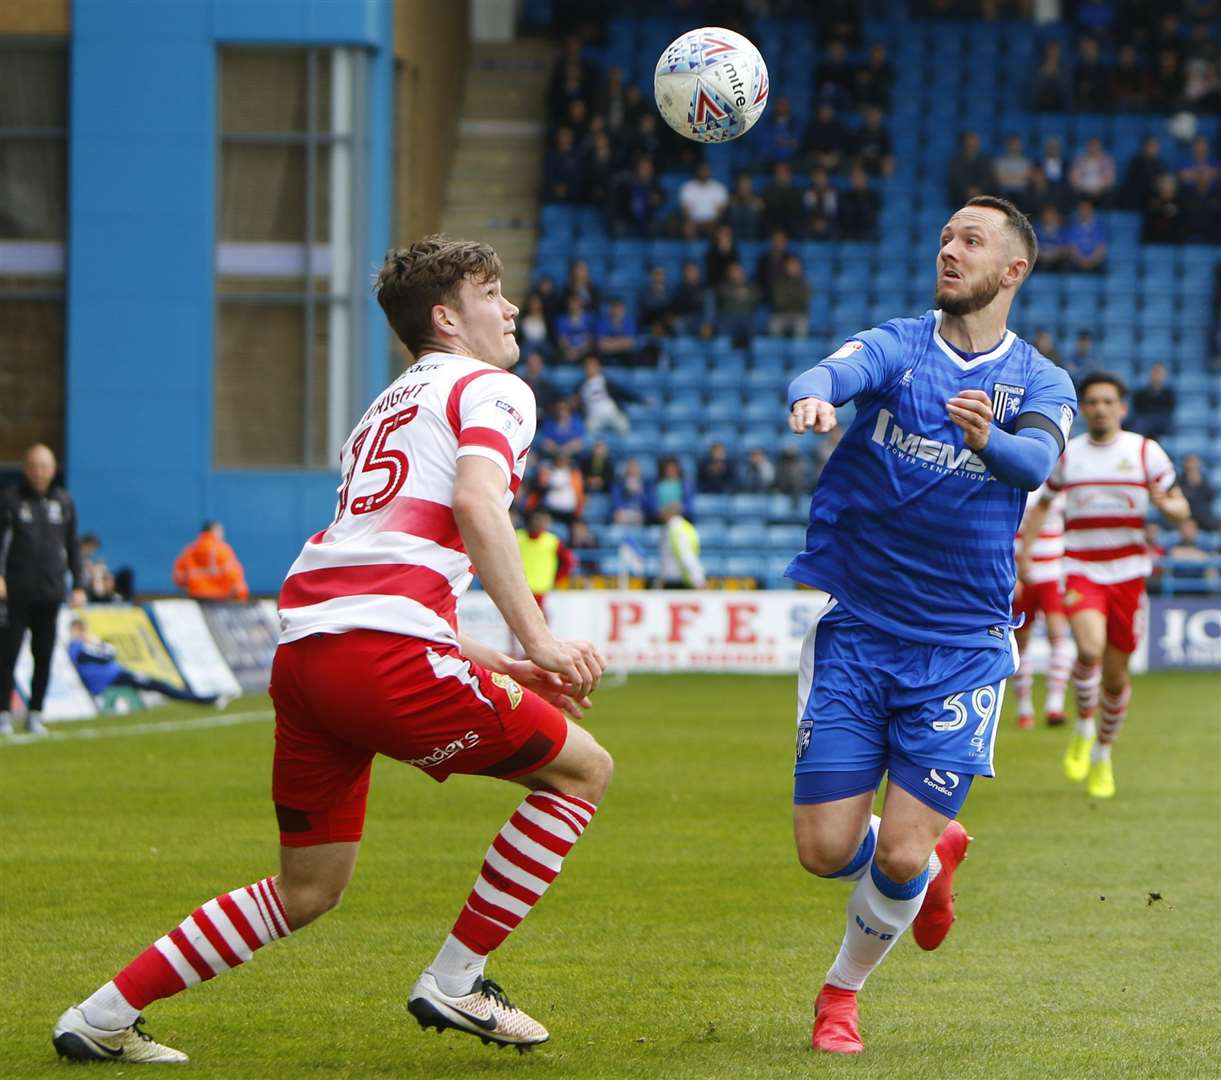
x: 152, y: 727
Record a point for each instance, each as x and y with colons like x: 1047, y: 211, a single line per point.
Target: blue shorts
x: 869, y: 703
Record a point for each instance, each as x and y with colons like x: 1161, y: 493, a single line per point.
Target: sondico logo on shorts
x: 510, y: 687
x: 943, y: 785
x: 444, y: 753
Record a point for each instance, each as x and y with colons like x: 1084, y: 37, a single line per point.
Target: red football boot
x: 1025, y: 720
x: 1055, y: 719
x: 837, y: 1028
x: 937, y: 911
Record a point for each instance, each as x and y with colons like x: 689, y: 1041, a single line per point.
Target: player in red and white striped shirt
x: 371, y: 661
x: 1040, y: 581
x: 1110, y: 479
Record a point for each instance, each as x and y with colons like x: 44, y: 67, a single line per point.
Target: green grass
x: 682, y: 940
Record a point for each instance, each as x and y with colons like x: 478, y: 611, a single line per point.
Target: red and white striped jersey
x: 1106, y: 490
x: 1047, y: 551
x: 393, y: 559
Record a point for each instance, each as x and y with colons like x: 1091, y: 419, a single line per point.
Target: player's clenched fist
x: 578, y: 663
x: 811, y: 414
x: 972, y: 411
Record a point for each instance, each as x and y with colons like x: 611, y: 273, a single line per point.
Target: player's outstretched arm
x: 1024, y: 460
x: 490, y: 541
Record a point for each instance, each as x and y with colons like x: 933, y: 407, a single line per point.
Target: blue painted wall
x: 143, y: 144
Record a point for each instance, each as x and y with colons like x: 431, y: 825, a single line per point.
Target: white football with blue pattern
x: 711, y: 85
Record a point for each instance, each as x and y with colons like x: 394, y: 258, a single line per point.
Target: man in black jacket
x: 38, y: 546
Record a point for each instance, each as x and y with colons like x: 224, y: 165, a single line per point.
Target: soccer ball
x: 710, y: 85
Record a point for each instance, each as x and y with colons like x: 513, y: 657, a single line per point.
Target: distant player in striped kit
x: 1110, y: 479
x: 1040, y: 581
x: 371, y: 661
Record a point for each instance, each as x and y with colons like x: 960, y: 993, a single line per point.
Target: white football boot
x: 78, y: 1040
x: 484, y: 1011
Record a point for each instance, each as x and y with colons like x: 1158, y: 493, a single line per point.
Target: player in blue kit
x: 911, y: 539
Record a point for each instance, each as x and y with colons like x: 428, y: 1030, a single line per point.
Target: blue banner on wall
x: 246, y: 635
x: 1184, y: 632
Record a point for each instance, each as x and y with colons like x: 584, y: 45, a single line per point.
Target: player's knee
x: 823, y: 858
x: 900, y: 862
x: 597, y: 775
x: 307, y: 902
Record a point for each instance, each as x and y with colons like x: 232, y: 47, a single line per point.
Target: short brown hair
x: 414, y: 279
x: 1017, y: 221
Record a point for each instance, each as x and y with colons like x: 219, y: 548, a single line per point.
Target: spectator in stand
x: 207, y: 568
x: 1131, y: 86
x: 771, y: 264
x: 1198, y: 492
x: 643, y: 141
x: 791, y: 294
x: 38, y: 549
x: 573, y: 77
x: 1163, y: 221
x: 100, y: 585
x: 780, y: 138
x: 580, y: 284
x: 1191, y: 561
x: 563, y: 170
x: 722, y: 253
x: 1084, y: 357
x: 715, y: 475
x: 671, y: 488
x: 99, y: 670
x: 630, y: 495
x: 837, y: 77
x: 1140, y: 177
x: 617, y: 333
x: 611, y: 100
x: 821, y: 205
x: 598, y: 470
x: 1153, y: 405
x: 680, y: 551
x: 1054, y: 168
x: 1091, y: 80
x: 702, y: 199
x: 1093, y: 175
x: 1202, y: 42
x: 1167, y: 91
x: 635, y: 106
x: 1052, y: 235
x: 552, y: 305
x: 825, y: 138
x: 1198, y: 183
x: 1044, y: 344
x: 691, y: 303
x: 578, y: 122
x: 534, y: 373
x: 872, y: 144
x: 1051, y: 90
x: 637, y: 201
x: 575, y: 330
x: 544, y: 556
x: 970, y: 171
x: 1013, y: 172
x: 597, y: 395
x: 533, y: 329
x: 1087, y: 240
x: 559, y: 489
x: 1202, y: 86
x: 737, y: 300
x: 782, y: 202
x: 563, y: 431
x: 758, y: 473
x: 601, y: 170
x: 793, y: 473
x: 859, y: 208
x: 744, y: 214
x: 653, y: 303
x: 582, y: 538
x: 875, y: 79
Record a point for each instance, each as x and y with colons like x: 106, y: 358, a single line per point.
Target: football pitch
x: 682, y: 939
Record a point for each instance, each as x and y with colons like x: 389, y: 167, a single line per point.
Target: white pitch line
x: 152, y: 727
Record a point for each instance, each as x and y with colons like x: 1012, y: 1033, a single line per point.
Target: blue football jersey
x: 907, y: 526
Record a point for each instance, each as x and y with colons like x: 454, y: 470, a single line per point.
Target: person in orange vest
x: 546, y: 558
x: 207, y: 569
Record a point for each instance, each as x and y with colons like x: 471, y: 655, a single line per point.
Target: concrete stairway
x: 493, y: 189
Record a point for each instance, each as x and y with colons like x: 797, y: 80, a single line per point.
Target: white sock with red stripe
x: 1114, y: 712
x: 523, y: 860
x: 220, y: 935
x: 1059, y: 665
x: 1086, y: 680
x: 1023, y: 683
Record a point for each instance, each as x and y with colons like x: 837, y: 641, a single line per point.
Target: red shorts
x: 342, y: 698
x: 1120, y: 603
x: 1043, y: 596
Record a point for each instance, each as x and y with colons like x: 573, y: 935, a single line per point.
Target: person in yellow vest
x: 680, y: 550
x: 546, y: 558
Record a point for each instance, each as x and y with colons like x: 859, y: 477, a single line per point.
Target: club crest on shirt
x: 1006, y: 401
x: 846, y: 349
x: 804, y: 728
x: 1066, y: 420
x: 510, y: 687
